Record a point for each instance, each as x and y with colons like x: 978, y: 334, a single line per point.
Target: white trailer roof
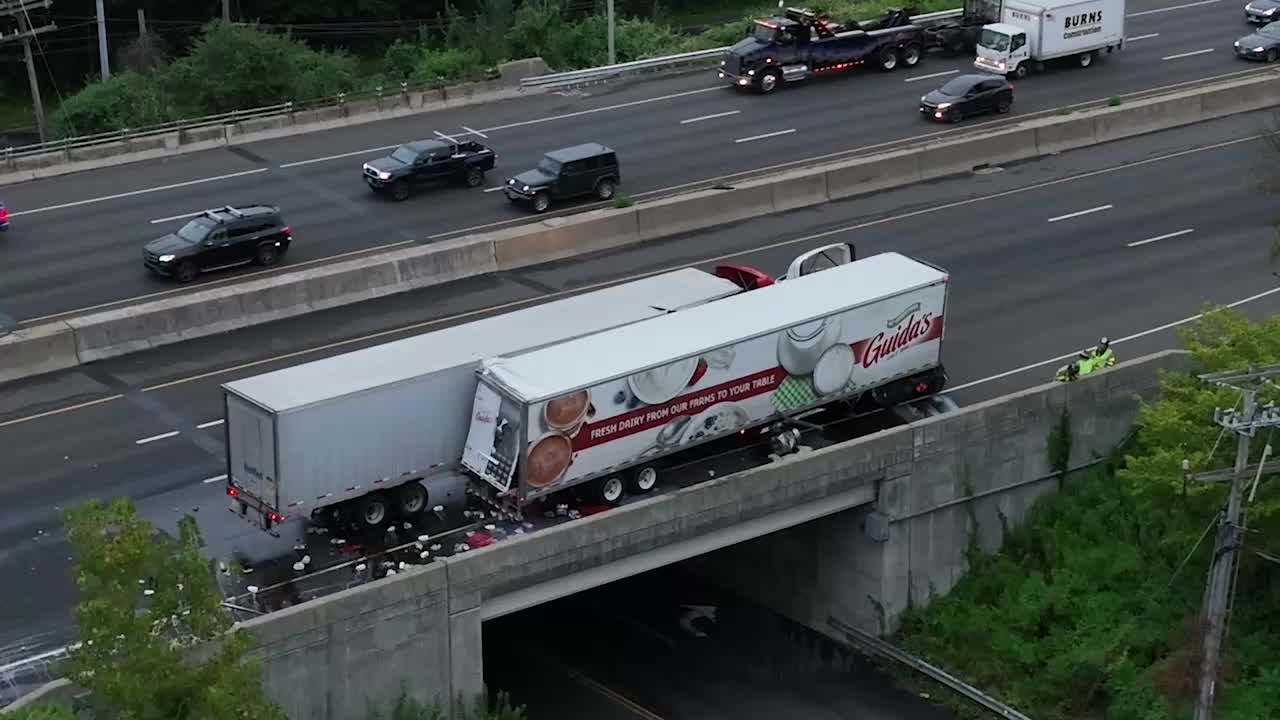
x: 401, y: 360
x: 553, y: 371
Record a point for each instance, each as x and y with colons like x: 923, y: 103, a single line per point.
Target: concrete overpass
x: 894, y: 512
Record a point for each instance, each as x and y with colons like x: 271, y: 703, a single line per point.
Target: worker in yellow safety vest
x: 1098, y: 357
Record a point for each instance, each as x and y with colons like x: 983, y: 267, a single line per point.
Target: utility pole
x: 1217, y: 595
x: 20, y: 10
x: 226, y: 11
x: 142, y: 23
x: 613, y: 56
x: 104, y: 53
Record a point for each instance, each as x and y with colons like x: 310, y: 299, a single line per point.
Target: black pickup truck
x: 799, y: 44
x: 428, y: 161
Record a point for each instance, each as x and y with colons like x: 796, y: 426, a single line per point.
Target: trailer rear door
x: 251, y: 450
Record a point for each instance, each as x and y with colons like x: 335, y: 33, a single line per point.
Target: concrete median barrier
x: 119, y: 331
x: 37, y: 350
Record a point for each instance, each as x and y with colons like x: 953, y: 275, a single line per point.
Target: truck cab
x: 1003, y: 48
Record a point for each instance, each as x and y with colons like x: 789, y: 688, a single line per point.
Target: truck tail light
x: 232, y: 491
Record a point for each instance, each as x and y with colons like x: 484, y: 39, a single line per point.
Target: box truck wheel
x: 609, y: 490
x: 1085, y: 59
x: 372, y: 509
x: 643, y: 480
x: 412, y: 498
x: 1020, y: 72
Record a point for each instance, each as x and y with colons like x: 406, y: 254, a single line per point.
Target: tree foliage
x: 146, y: 601
x: 1089, y: 609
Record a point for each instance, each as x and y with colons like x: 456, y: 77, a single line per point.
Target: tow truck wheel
x: 412, y: 498
x: 400, y: 191
x: 888, y: 59
x: 768, y: 82
x: 643, y: 480
x: 474, y: 177
x: 372, y: 510
x: 1085, y: 59
x: 609, y: 490
x: 911, y: 55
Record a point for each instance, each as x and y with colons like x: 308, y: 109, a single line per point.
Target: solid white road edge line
x: 1166, y: 236
x: 766, y: 135
x: 1127, y: 338
x: 1090, y: 211
x: 712, y: 116
x: 1179, y: 56
x: 931, y: 75
x: 153, y: 438
x: 1171, y: 8
x: 133, y: 193
x: 339, y: 156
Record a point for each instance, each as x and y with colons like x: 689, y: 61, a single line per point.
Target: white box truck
x: 1034, y: 32
x: 358, y: 434
x: 611, y: 407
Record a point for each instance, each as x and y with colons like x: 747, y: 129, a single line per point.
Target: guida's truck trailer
x: 361, y: 431
x: 799, y: 44
x: 609, y: 408
x: 1033, y: 32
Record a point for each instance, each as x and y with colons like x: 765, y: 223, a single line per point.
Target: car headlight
x: 384, y: 175
x: 1259, y: 49
x: 1237, y: 43
x: 166, y: 258
x: 751, y: 72
x: 525, y: 188
x: 1269, y: 11
x: 943, y: 106
x: 922, y: 98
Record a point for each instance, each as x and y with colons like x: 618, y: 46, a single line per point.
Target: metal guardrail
x: 884, y: 649
x: 668, y: 62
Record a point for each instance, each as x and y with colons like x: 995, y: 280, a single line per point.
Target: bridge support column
x: 466, y: 655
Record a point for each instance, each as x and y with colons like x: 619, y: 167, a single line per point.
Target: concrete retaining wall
x: 116, y: 332
x: 357, y: 112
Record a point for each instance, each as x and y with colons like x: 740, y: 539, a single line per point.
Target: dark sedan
x: 1263, y: 45
x: 968, y: 95
x: 1261, y: 12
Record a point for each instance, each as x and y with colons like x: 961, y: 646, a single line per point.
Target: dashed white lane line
x: 339, y: 156
x: 1179, y: 56
x: 931, y: 75
x: 766, y: 135
x: 133, y: 193
x: 1171, y: 8
x: 214, y: 479
x: 154, y: 438
x: 712, y: 116
x: 1080, y: 213
x: 494, y: 189
x: 1166, y: 236
x: 211, y: 423
x: 1148, y: 36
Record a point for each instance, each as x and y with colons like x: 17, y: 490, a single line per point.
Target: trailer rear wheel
x: 911, y: 55
x: 1085, y: 59
x: 643, y: 480
x: 888, y: 59
x: 372, y: 510
x: 609, y: 490
x: 412, y: 498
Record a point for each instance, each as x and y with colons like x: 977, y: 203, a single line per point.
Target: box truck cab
x: 1032, y: 33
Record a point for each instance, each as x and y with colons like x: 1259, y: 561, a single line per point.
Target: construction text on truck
x: 1082, y: 24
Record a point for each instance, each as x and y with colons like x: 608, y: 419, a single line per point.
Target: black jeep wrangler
x: 428, y: 161
x: 590, y: 169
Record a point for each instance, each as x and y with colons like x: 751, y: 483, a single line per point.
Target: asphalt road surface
x: 75, y: 240
x: 1046, y: 256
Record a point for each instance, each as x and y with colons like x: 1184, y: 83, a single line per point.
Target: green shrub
x: 441, y: 67
x: 127, y: 100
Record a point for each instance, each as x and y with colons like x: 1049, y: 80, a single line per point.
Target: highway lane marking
x: 214, y: 479
x: 459, y: 317
x: 494, y: 189
x: 153, y: 438
x: 1179, y: 56
x: 1127, y: 338
x: 1166, y: 236
x: 171, y: 218
x: 1080, y: 213
x: 339, y: 156
x: 211, y: 423
x: 134, y: 193
x: 603, y: 690
x: 474, y: 132
x: 764, y: 136
x: 1148, y: 36
x: 931, y: 75
x: 1171, y: 8
x: 712, y: 116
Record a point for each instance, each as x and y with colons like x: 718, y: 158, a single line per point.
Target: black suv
x: 590, y: 169
x: 220, y: 238
x: 427, y: 161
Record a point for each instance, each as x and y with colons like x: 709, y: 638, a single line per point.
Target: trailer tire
x: 911, y: 55
x: 888, y: 59
x: 609, y: 490
x: 1085, y: 59
x: 643, y: 480
x: 372, y: 510
x: 411, y: 498
x: 768, y: 82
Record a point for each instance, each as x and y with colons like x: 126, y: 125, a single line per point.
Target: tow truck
x: 800, y: 43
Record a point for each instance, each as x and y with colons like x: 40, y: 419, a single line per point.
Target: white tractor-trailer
x: 610, y: 408
x: 1032, y: 33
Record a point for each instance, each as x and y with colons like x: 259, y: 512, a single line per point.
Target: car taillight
x: 273, y: 517
x: 287, y: 230
x: 232, y: 491
x: 4, y: 214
